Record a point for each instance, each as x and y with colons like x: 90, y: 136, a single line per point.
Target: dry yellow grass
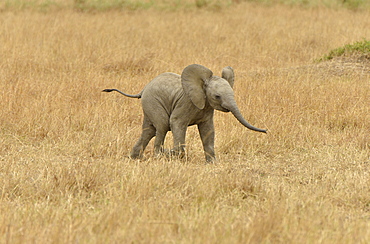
x: 64, y: 172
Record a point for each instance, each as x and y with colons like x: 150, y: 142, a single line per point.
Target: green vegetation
x: 357, y: 48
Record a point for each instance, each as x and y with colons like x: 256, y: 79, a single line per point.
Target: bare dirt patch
x: 354, y: 64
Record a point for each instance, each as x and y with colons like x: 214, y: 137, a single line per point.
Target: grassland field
x: 65, y: 175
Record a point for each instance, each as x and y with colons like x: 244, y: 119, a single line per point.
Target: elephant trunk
x: 235, y: 111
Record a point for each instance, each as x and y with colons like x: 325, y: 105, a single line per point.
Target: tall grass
x: 64, y: 172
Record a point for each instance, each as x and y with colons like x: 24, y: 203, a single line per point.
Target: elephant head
x: 201, y: 86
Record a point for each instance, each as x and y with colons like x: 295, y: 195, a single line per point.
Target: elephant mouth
x: 222, y: 109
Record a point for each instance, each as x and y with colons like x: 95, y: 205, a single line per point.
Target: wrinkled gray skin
x: 172, y: 103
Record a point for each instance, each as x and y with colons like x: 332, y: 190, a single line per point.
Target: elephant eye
x: 218, y: 97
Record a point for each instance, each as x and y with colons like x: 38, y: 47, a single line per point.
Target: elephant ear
x: 228, y: 74
x: 193, y: 78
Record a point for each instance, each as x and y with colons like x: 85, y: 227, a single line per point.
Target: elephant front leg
x: 207, y: 134
x: 179, y: 133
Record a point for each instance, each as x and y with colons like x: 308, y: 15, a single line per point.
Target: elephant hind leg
x: 159, y: 141
x: 148, y: 132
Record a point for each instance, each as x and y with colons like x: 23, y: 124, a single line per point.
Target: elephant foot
x: 162, y: 153
x: 211, y: 160
x: 171, y: 153
x: 177, y: 153
x: 136, y: 155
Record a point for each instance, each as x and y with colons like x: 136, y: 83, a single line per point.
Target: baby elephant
x: 172, y: 103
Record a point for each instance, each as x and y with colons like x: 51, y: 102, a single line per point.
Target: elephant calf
x: 172, y: 103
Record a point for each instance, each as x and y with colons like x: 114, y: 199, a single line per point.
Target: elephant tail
x: 125, y: 94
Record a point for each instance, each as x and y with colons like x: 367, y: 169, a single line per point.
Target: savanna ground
x: 64, y: 172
